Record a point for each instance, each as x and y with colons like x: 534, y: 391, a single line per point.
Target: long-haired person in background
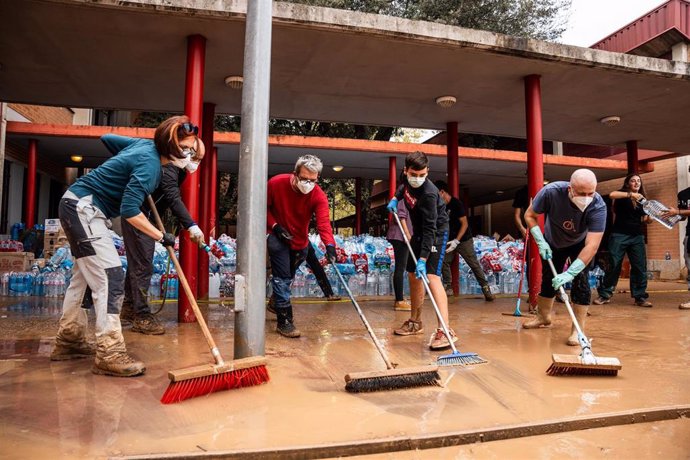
x: 116, y: 188
x: 627, y: 237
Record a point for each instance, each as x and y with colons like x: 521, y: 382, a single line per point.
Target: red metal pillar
x: 205, y: 196
x: 633, y: 158
x: 535, y: 172
x: 358, y: 206
x: 193, y: 108
x: 30, y: 199
x: 213, y: 186
x: 454, y: 186
x: 392, y: 182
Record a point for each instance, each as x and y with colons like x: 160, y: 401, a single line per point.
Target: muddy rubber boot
x: 580, y: 313
x: 543, y: 316
x: 148, y: 324
x: 127, y: 314
x: 285, y: 325
x: 118, y: 364
x: 488, y: 295
x: 65, y: 350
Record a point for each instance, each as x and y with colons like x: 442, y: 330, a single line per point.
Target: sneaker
x: 684, y: 306
x: 410, y: 327
x: 147, y: 324
x: 488, y: 295
x: 127, y: 314
x: 601, y: 301
x: 643, y: 303
x: 72, y: 350
x: 439, y: 341
x: 402, y: 305
x: 118, y: 365
x: 288, y: 329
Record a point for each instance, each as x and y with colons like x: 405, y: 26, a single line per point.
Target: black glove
x: 330, y: 253
x: 167, y: 240
x: 282, y: 234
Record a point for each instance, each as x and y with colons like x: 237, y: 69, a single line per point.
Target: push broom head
x: 392, y: 379
x: 209, y: 378
x: 460, y: 359
x: 577, y: 365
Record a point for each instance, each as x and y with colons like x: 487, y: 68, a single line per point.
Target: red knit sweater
x: 293, y: 211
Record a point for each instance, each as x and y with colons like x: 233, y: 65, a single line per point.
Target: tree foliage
x: 541, y: 19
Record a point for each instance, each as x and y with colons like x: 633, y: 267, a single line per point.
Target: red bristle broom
x: 207, y: 378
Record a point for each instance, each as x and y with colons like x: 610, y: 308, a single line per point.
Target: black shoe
x: 147, y: 324
x: 643, y: 303
x: 288, y: 329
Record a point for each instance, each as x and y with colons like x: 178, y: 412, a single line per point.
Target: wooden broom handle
x: 185, y: 285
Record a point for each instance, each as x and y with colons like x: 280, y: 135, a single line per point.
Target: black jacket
x: 427, y: 212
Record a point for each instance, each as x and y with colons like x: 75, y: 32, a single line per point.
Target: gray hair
x: 309, y: 162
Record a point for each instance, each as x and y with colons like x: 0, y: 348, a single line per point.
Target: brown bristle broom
x: 207, y: 378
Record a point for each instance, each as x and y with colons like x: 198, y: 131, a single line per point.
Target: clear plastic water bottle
x: 384, y: 281
x: 372, y: 283
x: 155, y: 286
x: 311, y: 286
x: 5, y: 284
x: 60, y: 284
x: 39, y: 288
x: 353, y: 284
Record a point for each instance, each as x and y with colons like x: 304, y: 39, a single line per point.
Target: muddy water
x: 63, y: 410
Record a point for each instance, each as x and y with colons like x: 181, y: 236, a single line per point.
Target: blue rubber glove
x: 568, y: 275
x: 544, y: 248
x: 393, y: 206
x: 420, y: 271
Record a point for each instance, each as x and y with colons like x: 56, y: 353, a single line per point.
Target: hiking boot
x: 643, y: 303
x: 402, y: 305
x: 543, y: 317
x: 488, y: 295
x: 439, y: 341
x: 601, y: 301
x: 684, y: 306
x: 285, y: 326
x: 118, y: 364
x: 410, y: 327
x: 72, y: 350
x: 127, y: 314
x: 147, y: 324
x: 580, y: 312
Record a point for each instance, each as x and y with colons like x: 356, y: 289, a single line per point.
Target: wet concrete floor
x: 61, y: 410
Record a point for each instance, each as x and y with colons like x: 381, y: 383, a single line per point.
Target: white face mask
x: 180, y: 162
x: 305, y: 187
x: 192, y: 166
x: 416, y: 182
x: 581, y: 201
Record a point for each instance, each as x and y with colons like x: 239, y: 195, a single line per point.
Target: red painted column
x: 454, y: 186
x: 392, y: 183
x: 193, y: 108
x: 358, y: 206
x: 213, y: 186
x: 30, y: 199
x: 535, y: 172
x: 205, y: 196
x: 633, y: 157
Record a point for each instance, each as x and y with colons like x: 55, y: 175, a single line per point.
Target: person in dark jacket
x: 430, y: 235
x: 116, y: 188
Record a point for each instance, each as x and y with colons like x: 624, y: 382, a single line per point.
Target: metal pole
x: 535, y: 172
x: 454, y: 186
x: 30, y: 203
x: 253, y: 171
x: 193, y: 108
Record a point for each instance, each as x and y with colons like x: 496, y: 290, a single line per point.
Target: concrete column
x: 535, y: 171
x: 30, y: 198
x: 557, y: 148
x: 633, y: 159
x: 193, y: 108
x: 679, y: 52
x: 209, y: 112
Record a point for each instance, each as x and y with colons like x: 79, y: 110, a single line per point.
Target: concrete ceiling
x: 335, y: 65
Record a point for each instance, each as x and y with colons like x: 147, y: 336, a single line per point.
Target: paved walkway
x: 60, y: 409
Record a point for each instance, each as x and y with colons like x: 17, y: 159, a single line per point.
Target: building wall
x: 44, y: 114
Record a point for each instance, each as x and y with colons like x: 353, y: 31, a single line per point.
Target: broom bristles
x: 392, y: 379
x: 199, y: 386
x: 460, y: 359
x: 575, y: 365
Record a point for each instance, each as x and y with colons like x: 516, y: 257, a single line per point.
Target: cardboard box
x: 52, y: 226
x: 53, y: 240
x: 16, y: 261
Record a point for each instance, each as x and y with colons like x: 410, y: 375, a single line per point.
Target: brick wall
x: 44, y: 114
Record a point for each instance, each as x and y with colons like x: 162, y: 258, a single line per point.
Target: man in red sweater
x: 292, y: 200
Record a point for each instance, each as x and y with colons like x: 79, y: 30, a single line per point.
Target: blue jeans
x: 633, y: 245
x: 284, y: 264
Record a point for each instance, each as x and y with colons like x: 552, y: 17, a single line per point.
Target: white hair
x: 309, y: 162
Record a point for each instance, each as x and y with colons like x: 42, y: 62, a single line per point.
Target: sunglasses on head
x: 189, y: 128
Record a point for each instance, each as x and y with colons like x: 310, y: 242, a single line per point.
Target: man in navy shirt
x: 575, y: 220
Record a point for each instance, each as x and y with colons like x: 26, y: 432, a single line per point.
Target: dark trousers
x: 466, y: 250
x: 580, y: 292
x: 401, y: 253
x: 140, y: 249
x: 284, y: 263
x: 320, y: 274
x: 633, y: 245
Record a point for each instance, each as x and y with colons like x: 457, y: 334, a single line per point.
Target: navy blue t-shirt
x: 565, y: 224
